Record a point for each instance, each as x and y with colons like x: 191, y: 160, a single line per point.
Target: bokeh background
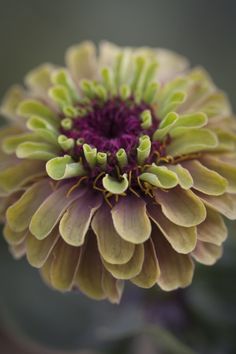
x: 201, y: 319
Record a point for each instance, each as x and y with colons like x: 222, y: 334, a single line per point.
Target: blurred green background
x: 204, y: 316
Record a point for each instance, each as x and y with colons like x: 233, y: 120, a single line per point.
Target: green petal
x: 60, y: 95
x: 64, y: 167
x: 166, y: 125
x: 206, y: 180
x: 114, y: 186
x: 144, y: 149
x: 62, y: 77
x: 182, y: 239
x: 30, y: 107
x: 213, y: 229
x: 225, y: 170
x: 37, y: 252
x: 90, y: 155
x: 184, y: 177
x: 191, y: 120
x: 207, y: 253
x: 76, y: 221
x: 10, y: 143
x: 20, y: 213
x: 89, y: 274
x: 164, y: 177
x: 130, y: 269
x: 111, y: 246
x: 182, y: 207
x: 130, y: 219
x: 176, y: 269
x: 49, y: 213
x: 192, y: 140
x: 64, y: 266
x: 150, y: 271
x: 36, y: 151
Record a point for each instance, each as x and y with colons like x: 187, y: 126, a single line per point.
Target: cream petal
x: 182, y: 207
x: 38, y: 80
x: 130, y: 219
x: 38, y: 251
x: 18, y: 251
x: 20, y: 213
x: 13, y: 237
x: 64, y: 265
x: 111, y: 246
x: 75, y: 222
x: 204, y: 179
x: 176, y: 269
x: 207, y: 253
x: 224, y: 204
x: 11, y: 100
x: 113, y: 288
x: 182, y: 239
x: 150, y: 271
x: 89, y: 274
x: 170, y: 64
x: 212, y: 229
x: 81, y: 61
x: 130, y: 269
x: 51, y: 210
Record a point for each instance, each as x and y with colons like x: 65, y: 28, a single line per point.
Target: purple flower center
x: 112, y: 125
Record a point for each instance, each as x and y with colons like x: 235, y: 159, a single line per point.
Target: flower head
x: 118, y: 167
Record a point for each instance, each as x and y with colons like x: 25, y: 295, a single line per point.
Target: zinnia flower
x: 118, y: 167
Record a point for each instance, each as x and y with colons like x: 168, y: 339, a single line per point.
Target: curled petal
x: 64, y: 167
x: 114, y: 186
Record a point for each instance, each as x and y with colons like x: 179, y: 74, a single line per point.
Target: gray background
x: 32, y: 32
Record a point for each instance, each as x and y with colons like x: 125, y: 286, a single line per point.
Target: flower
x: 118, y: 167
